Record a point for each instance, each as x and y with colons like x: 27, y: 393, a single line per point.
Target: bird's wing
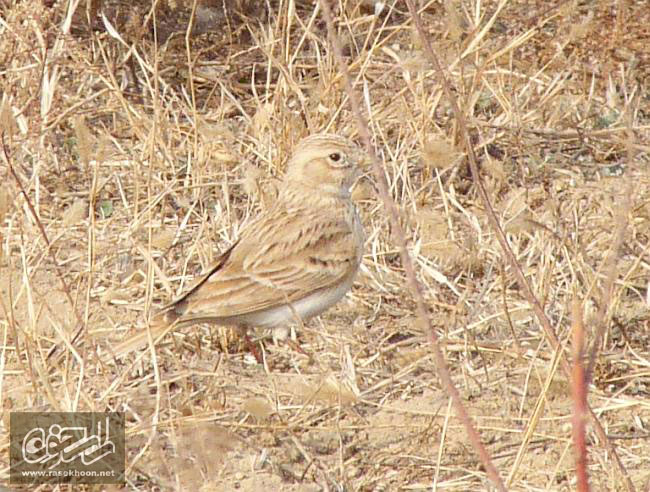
x: 279, y: 259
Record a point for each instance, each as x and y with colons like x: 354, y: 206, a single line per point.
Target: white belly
x: 304, y: 309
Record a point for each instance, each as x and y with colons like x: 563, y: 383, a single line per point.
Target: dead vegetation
x: 142, y: 146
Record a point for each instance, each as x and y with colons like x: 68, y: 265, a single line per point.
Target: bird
x: 292, y: 262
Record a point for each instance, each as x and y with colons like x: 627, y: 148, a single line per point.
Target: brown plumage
x: 291, y: 263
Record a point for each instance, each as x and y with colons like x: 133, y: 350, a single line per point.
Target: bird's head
x: 328, y: 163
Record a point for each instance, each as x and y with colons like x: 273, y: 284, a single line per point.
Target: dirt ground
x: 133, y: 155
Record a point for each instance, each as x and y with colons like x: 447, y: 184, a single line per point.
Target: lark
x: 291, y: 263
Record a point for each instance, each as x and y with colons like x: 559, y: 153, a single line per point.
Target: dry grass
x: 141, y: 167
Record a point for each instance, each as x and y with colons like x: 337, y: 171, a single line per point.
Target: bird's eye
x: 335, y: 156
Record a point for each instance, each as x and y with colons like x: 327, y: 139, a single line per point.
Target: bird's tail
x: 160, y: 326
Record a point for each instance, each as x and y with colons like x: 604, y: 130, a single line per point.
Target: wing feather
x: 278, y: 261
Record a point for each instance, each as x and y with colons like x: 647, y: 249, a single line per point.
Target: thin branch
x: 37, y: 220
x: 400, y: 237
x: 523, y: 283
x: 579, y: 391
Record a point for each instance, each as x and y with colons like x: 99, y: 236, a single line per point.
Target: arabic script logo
x: 66, y: 444
x: 67, y: 448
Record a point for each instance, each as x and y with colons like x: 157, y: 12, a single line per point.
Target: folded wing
x: 277, y: 261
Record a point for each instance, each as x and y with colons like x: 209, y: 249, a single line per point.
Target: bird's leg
x: 252, y: 348
x: 292, y: 343
x: 296, y: 346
